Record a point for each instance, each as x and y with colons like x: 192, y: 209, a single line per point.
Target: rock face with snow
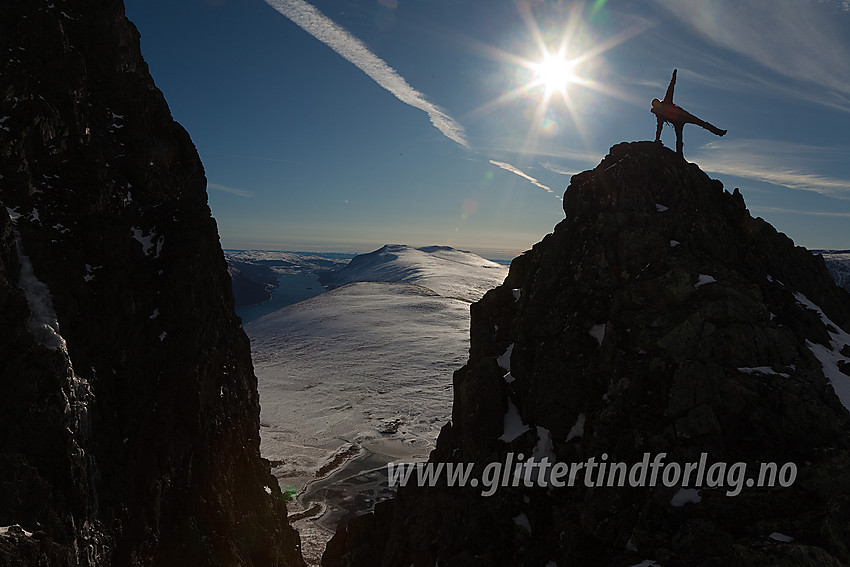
x: 658, y: 318
x: 128, y: 405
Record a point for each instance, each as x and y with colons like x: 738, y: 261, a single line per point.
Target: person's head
x: 656, y: 103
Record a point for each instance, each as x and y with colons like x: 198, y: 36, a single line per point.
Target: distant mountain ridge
x: 252, y: 283
x: 254, y: 273
x: 286, y: 262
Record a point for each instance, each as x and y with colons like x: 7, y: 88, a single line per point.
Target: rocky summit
x: 659, y: 320
x: 129, y: 412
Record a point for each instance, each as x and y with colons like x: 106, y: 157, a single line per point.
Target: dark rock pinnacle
x: 129, y: 411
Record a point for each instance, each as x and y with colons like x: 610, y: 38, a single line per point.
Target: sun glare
x: 556, y: 80
x: 554, y: 72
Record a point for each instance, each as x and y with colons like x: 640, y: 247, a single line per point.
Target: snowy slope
x: 363, y: 372
x: 444, y: 270
x: 368, y: 361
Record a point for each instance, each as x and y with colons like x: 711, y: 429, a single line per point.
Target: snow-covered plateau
x: 362, y: 375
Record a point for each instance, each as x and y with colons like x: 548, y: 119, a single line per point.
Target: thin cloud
x: 355, y: 52
x: 793, y: 38
x: 779, y: 163
x: 516, y: 171
x: 231, y: 190
x: 799, y: 212
x: 726, y: 74
x: 517, y: 146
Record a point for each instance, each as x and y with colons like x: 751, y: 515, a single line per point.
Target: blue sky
x: 343, y: 125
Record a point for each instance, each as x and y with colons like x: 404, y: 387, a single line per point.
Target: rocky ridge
x: 658, y: 317
x: 129, y: 416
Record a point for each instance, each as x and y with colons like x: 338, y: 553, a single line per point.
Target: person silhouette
x: 666, y: 111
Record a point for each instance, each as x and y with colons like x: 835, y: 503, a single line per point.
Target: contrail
x: 231, y: 190
x: 355, y: 51
x: 517, y: 171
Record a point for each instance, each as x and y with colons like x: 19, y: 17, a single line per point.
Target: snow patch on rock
x: 514, y: 426
x: 830, y: 356
x: 704, y: 279
x: 598, y: 332
x: 577, y: 429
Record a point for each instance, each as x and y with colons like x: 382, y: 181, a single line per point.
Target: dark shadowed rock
x: 129, y: 411
x: 658, y: 317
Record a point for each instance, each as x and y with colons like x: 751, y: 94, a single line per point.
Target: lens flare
x: 549, y: 128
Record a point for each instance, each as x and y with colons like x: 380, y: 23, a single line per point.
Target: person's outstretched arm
x: 669, y: 96
x: 658, y: 128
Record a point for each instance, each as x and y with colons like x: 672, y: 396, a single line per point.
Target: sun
x: 554, y: 72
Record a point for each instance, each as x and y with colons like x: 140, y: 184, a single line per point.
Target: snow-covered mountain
x: 363, y: 371
x: 442, y: 269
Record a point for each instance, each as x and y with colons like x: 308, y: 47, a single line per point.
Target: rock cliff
x: 658, y: 318
x: 129, y: 411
